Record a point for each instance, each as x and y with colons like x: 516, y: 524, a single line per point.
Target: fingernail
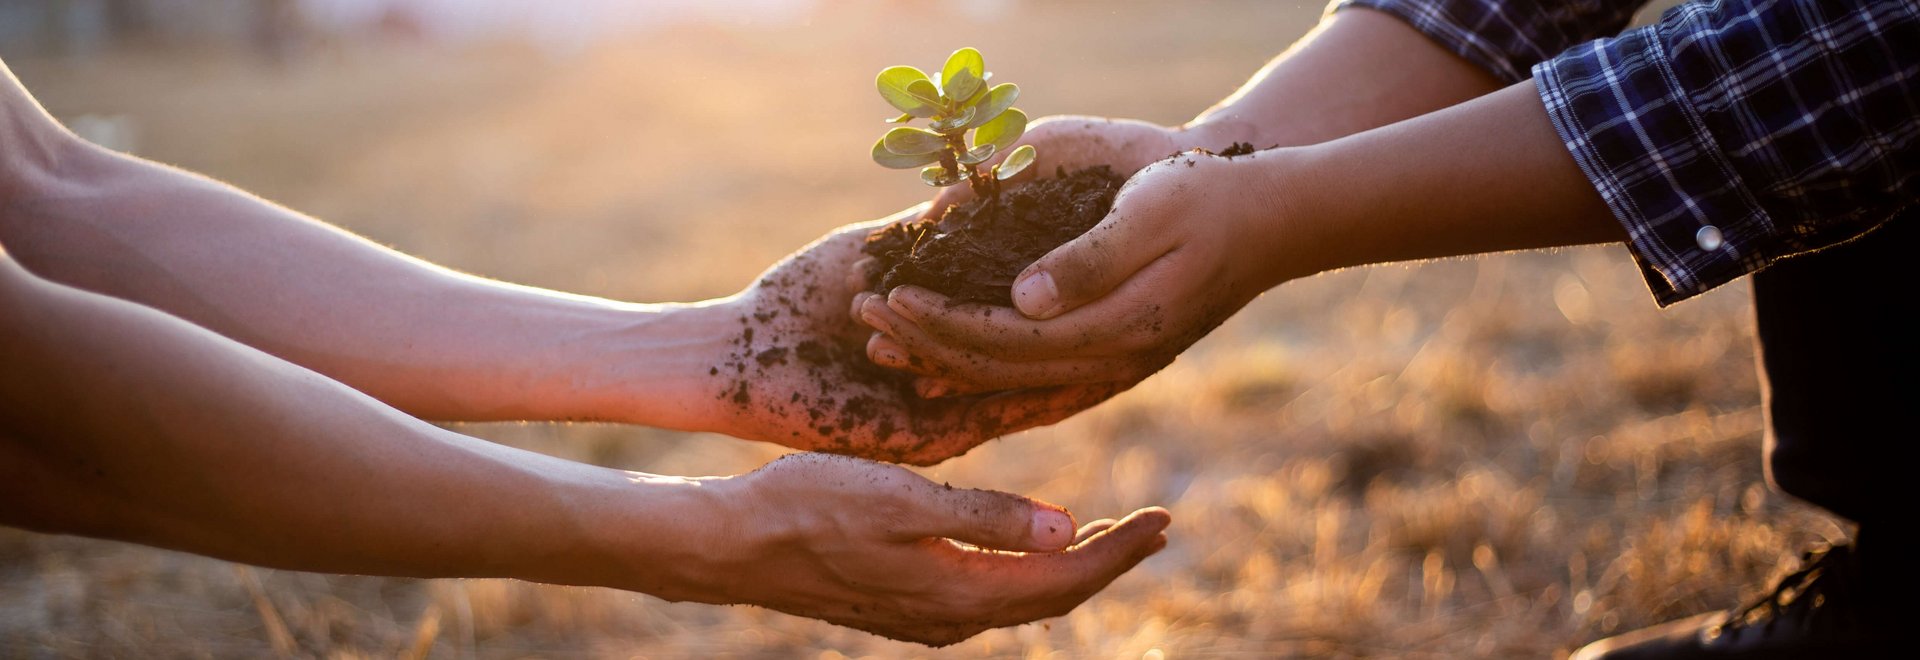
x: 875, y: 319
x: 1036, y: 296
x: 1051, y: 528
x: 901, y: 300
x: 886, y: 353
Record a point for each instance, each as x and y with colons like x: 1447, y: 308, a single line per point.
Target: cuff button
x: 1709, y: 238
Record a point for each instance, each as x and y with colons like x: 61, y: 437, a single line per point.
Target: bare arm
x: 1358, y: 69
x: 1395, y: 193
x: 117, y: 420
x: 428, y: 340
x: 122, y: 422
x: 764, y: 364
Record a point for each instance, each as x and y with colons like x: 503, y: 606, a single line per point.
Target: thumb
x: 1095, y: 263
x: 991, y: 519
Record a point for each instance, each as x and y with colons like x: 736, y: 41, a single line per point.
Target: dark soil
x: 973, y: 251
x: 1238, y: 149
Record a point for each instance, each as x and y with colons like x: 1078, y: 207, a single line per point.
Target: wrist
x: 669, y: 537
x: 650, y: 365
x: 1293, y: 226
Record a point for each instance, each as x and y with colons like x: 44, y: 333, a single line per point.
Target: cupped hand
x: 878, y: 548
x: 1190, y: 240
x: 796, y: 373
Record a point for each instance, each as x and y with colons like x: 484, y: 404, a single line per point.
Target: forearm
x: 430, y: 341
x: 121, y: 422
x: 1359, y: 69
x: 1483, y: 176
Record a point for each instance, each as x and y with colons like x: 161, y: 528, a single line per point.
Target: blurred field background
x: 1502, y: 457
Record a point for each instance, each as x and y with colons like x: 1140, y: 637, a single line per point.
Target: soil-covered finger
x: 910, y: 349
x: 988, y: 519
x: 1003, y: 332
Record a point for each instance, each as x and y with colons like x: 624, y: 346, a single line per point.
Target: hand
x: 795, y: 373
x: 864, y: 545
x: 1181, y: 251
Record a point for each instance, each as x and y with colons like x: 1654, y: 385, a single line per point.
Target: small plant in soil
x: 959, y: 104
x: 971, y: 252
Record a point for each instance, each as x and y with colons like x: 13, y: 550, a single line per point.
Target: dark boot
x: 1831, y: 608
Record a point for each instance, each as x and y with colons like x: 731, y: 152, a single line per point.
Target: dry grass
x: 1500, y: 457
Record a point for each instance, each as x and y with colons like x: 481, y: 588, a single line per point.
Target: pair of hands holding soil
x: 1097, y: 314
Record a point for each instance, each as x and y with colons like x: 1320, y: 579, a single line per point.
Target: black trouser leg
x: 1838, y: 332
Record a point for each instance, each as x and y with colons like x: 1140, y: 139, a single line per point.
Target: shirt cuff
x: 1692, y: 224
x: 1447, y: 29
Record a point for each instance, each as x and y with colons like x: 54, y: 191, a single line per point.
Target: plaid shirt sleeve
x: 1733, y: 134
x: 1507, y: 37
x: 1730, y: 134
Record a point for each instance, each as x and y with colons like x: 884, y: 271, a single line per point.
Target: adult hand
x: 866, y: 545
x: 795, y: 373
x: 1179, y: 253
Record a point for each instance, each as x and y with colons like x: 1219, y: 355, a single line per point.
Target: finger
x: 1044, y: 585
x: 909, y: 348
x: 1088, y: 530
x: 988, y: 519
x: 886, y: 352
x: 863, y: 274
x: 859, y: 301
x: 1136, y: 314
x: 989, y: 329
x: 1084, y: 269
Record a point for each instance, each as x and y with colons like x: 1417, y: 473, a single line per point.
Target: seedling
x: 960, y: 102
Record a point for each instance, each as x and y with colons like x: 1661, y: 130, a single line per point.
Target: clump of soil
x: 974, y: 250
x: 1238, y: 149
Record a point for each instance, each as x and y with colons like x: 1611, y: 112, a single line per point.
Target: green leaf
x: 1016, y: 161
x: 901, y: 119
x: 939, y: 177
x: 1003, y: 130
x: 895, y: 161
x: 956, y: 123
x: 924, y: 92
x: 979, y: 154
x: 965, y: 59
x: 963, y: 86
x: 896, y: 84
x: 994, y: 102
x: 910, y: 141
